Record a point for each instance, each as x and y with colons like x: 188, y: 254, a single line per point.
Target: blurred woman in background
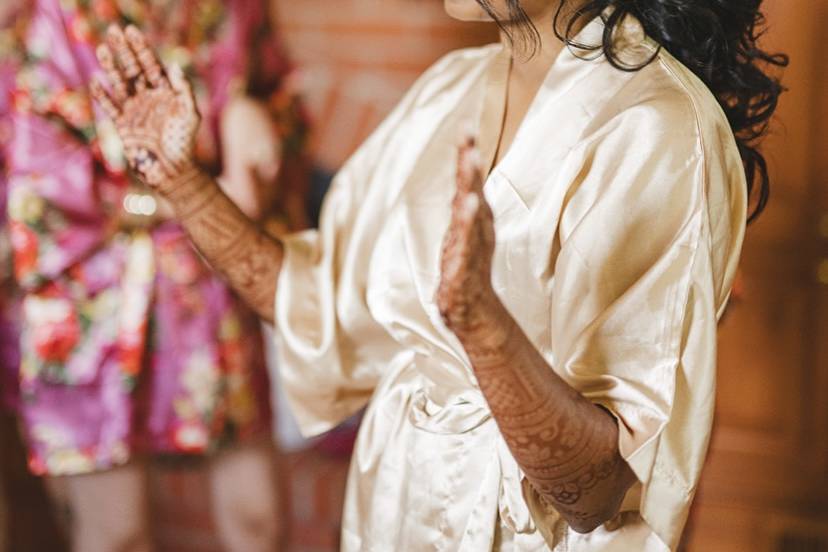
x: 130, y: 345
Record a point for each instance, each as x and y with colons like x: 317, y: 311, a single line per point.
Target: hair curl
x: 716, y: 39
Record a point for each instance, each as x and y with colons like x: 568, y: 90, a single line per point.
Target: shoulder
x: 662, y: 117
x: 657, y: 134
x: 660, y: 140
x: 663, y: 99
x: 463, y: 59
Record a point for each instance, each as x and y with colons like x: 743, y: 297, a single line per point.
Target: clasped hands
x: 157, y: 119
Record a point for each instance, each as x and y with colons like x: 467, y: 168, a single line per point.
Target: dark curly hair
x: 716, y: 39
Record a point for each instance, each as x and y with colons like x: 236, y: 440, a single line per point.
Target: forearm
x: 566, y: 445
x: 247, y: 258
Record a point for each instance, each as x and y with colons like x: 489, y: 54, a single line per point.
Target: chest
x: 507, y: 111
x: 405, y: 264
x: 527, y: 192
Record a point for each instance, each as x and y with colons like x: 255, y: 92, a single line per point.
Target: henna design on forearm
x: 248, y: 258
x: 566, y: 445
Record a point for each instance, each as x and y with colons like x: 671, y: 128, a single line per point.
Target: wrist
x: 484, y: 315
x: 189, y: 191
x: 490, y: 344
x: 184, y: 177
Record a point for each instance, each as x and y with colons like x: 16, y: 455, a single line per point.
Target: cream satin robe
x: 619, y: 213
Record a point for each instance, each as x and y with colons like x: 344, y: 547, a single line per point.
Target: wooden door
x: 765, y: 487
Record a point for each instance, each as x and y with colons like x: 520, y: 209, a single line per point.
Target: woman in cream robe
x: 619, y: 213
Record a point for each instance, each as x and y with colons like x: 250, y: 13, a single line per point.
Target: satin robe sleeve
x: 650, y: 238
x: 331, y: 350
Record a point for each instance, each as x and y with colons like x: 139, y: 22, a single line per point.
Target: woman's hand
x: 465, y: 288
x: 156, y: 117
x: 566, y: 445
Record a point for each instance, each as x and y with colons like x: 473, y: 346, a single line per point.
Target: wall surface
x: 358, y: 57
x: 765, y: 486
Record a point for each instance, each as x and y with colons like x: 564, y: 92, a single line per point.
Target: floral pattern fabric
x: 13, y: 17
x: 129, y: 343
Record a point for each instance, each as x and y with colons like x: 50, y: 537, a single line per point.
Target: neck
x: 534, y: 68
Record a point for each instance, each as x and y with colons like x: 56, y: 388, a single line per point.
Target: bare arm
x: 157, y: 119
x: 566, y: 445
x: 245, y: 256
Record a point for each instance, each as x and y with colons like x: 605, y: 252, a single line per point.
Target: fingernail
x: 469, y: 132
x: 132, y: 32
x: 470, y: 161
x: 474, y: 157
x: 470, y: 204
x: 102, y: 52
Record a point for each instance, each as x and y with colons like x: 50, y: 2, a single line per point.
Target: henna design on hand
x: 468, y: 246
x: 566, y: 446
x: 156, y: 117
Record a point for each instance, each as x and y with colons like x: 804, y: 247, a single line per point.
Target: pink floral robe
x: 129, y: 343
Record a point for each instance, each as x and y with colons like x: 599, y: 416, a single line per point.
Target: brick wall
x: 358, y: 57
x: 312, y: 490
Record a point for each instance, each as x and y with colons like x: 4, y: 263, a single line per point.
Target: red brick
x: 359, y: 56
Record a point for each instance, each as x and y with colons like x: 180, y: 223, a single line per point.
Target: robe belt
x: 461, y: 411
